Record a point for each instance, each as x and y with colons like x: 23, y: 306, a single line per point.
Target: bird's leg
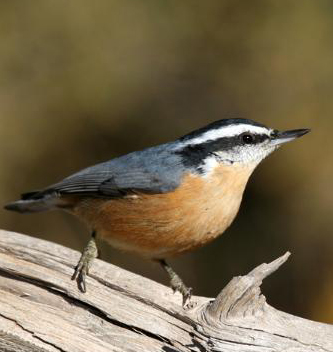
x: 176, y: 282
x: 89, y: 253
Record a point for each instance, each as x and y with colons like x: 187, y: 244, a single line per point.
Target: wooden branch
x: 41, y: 309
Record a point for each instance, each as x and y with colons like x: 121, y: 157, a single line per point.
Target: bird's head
x: 237, y: 142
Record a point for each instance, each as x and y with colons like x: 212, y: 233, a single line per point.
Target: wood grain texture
x: 41, y: 309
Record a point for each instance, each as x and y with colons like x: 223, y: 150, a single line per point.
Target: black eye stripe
x: 193, y: 155
x: 219, y: 124
x: 252, y: 138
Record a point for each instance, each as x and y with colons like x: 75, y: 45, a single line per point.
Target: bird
x: 164, y: 200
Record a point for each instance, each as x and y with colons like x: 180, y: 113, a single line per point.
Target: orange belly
x: 162, y: 225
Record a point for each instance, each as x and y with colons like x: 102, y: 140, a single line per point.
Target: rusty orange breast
x: 161, y: 225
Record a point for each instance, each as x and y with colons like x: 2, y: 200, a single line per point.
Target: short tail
x: 33, y: 202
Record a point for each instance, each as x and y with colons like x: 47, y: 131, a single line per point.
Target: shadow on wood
x: 42, y: 309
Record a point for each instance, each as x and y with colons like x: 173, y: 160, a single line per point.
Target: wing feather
x: 152, y: 170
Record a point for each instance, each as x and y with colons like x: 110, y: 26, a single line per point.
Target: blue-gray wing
x: 153, y: 170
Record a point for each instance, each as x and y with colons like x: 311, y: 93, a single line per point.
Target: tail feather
x: 34, y: 202
x: 31, y: 195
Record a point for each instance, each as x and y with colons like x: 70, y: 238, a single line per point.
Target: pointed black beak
x: 280, y: 137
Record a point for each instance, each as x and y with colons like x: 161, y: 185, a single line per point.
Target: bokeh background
x: 85, y: 81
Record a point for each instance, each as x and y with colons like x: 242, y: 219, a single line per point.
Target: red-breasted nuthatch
x: 167, y: 199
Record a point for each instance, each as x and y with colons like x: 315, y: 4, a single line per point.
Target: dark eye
x: 247, y: 138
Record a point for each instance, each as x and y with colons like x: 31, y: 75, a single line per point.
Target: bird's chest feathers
x: 158, y: 225
x: 212, y: 202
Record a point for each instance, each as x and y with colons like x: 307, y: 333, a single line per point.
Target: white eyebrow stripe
x: 227, y: 131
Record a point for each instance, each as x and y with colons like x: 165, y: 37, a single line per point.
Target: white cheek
x: 246, y: 155
x: 212, y: 162
x: 209, y: 165
x: 257, y: 155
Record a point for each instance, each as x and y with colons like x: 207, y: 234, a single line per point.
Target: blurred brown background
x: 85, y: 81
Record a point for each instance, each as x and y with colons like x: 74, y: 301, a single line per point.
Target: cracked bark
x: 42, y: 310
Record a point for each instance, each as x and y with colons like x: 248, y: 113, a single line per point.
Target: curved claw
x: 187, y: 294
x: 82, y: 268
x: 79, y: 275
x: 177, y: 284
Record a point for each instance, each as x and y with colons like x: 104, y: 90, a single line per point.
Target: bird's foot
x: 82, y: 268
x: 177, y: 284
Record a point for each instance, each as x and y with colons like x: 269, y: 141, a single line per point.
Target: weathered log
x: 41, y: 309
